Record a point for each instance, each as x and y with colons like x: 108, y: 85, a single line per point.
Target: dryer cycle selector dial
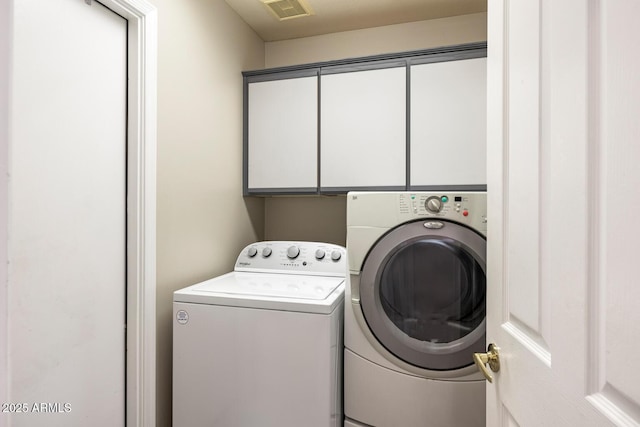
x: 433, y: 204
x: 293, y: 252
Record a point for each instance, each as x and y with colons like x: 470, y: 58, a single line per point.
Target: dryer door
x: 422, y: 292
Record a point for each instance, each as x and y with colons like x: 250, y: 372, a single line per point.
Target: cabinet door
x: 363, y: 130
x: 282, y: 136
x: 448, y: 124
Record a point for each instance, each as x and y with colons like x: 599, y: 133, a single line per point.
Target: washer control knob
x: 320, y: 254
x: 293, y: 252
x: 433, y: 204
x: 336, y: 255
x: 266, y: 252
x: 252, y: 252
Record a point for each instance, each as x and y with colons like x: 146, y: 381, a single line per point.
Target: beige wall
x: 324, y: 218
x: 315, y: 219
x: 373, y: 41
x: 203, y: 221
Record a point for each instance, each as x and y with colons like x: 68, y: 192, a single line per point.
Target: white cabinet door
x: 363, y: 129
x: 282, y: 128
x: 448, y: 123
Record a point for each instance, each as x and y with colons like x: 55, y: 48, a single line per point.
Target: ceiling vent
x: 288, y: 9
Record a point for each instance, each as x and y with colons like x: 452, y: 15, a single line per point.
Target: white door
x: 67, y: 206
x: 564, y: 191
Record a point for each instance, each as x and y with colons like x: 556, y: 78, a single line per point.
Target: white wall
x: 203, y: 221
x: 324, y: 218
x: 6, y: 31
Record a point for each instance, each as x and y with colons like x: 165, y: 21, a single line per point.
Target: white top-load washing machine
x: 415, y: 309
x: 262, y: 345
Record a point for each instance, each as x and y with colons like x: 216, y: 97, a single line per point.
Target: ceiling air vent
x: 288, y: 9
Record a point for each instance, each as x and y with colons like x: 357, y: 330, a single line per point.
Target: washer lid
x: 315, y: 294
x: 272, y: 285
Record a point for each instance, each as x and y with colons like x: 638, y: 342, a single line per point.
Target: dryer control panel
x: 372, y: 214
x: 389, y: 209
x: 467, y: 208
x: 293, y: 257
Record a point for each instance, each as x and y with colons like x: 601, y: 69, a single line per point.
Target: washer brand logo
x: 182, y: 317
x: 244, y: 264
x: 433, y: 225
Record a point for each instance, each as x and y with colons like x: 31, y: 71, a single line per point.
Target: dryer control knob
x: 293, y: 252
x: 320, y: 254
x: 266, y: 252
x: 336, y: 255
x: 252, y: 252
x: 433, y: 204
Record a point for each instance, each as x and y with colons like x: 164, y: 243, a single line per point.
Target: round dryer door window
x: 423, y: 293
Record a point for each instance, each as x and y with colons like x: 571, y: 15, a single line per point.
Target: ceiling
x: 330, y: 16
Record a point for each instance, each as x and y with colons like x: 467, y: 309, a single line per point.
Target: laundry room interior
x: 203, y: 223
x: 541, y: 320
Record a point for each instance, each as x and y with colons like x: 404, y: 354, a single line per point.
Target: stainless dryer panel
x: 371, y: 214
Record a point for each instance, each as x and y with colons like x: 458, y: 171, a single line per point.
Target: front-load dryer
x: 415, y: 309
x: 262, y: 345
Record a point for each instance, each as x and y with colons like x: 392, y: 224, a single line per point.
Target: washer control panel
x: 291, y: 257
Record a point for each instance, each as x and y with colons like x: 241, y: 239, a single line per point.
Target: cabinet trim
x: 464, y: 187
x: 407, y: 153
x: 345, y: 190
x: 445, y: 53
x: 282, y: 191
x: 377, y: 65
x: 294, y: 74
x: 448, y: 56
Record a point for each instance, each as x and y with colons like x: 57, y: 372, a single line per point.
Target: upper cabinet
x: 408, y: 121
x: 448, y: 124
x: 363, y: 129
x: 281, y: 135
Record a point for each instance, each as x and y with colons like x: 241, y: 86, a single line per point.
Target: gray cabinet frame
x: 402, y: 59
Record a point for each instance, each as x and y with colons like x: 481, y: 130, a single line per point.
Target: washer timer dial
x: 293, y: 252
